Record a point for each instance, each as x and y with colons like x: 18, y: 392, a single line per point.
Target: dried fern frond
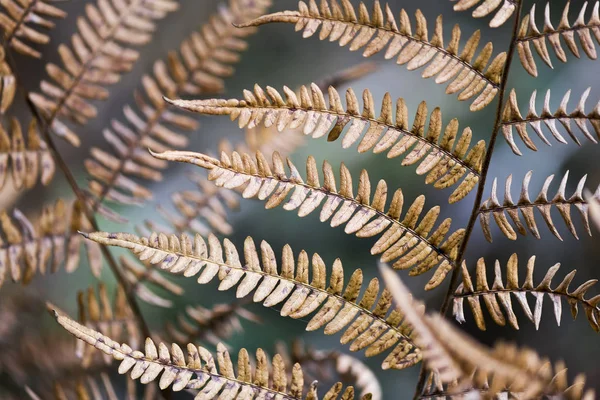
x: 492, y: 208
x: 27, y: 248
x: 444, y: 157
x: 205, y: 59
x: 212, y: 325
x: 144, y: 278
x: 373, y: 328
x: 487, y: 7
x: 327, y: 366
x: 8, y: 83
x: 379, y: 30
x: 200, y: 371
x: 529, y: 34
x: 512, y: 118
x: 593, y: 207
x: 101, y: 51
x: 27, y: 160
x: 407, y: 241
x: 502, y: 291
x: 456, y: 357
x: 114, y: 318
x: 19, y: 20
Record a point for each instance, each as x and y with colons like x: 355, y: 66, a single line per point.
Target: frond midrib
x: 297, y: 283
x: 350, y: 199
x: 22, y: 21
x: 409, y: 37
x: 518, y: 206
x: 422, y: 139
x: 561, y: 31
x: 479, y: 293
x: 529, y: 120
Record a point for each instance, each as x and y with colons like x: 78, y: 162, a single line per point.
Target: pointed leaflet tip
x: 84, y: 234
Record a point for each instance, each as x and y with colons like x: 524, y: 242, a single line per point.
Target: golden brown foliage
x: 408, y: 241
x: 487, y: 7
x: 502, y: 292
x: 379, y: 31
x: 445, y: 158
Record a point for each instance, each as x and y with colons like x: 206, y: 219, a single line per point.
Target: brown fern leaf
x: 28, y: 161
x: 325, y: 366
x: 212, y: 378
x: 512, y: 117
x: 529, y: 34
x: 144, y: 279
x: 205, y: 59
x: 408, y: 242
x: 96, y: 311
x: 101, y: 52
x: 308, y: 111
x: 379, y: 30
x: 593, y: 207
x: 436, y: 390
x: 371, y: 329
x: 27, y: 248
x: 502, y: 292
x: 457, y: 358
x: 18, y: 21
x: 492, y: 208
x: 8, y: 84
x: 487, y: 7
x: 214, y: 325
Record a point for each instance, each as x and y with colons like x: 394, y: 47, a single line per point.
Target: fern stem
x: 481, y: 186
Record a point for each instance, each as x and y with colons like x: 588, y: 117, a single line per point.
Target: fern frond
x: 371, y: 329
x: 512, y: 118
x: 19, y: 20
x: 457, y: 358
x: 27, y: 248
x: 142, y: 278
x: 379, y: 30
x: 101, y: 51
x: 205, y: 59
x: 200, y: 371
x: 325, y: 366
x: 444, y: 163
x: 529, y: 34
x: 487, y: 7
x: 407, y: 241
x: 502, y: 292
x: 27, y: 160
x: 96, y: 311
x: 492, y: 208
x: 212, y: 325
x: 8, y: 83
x: 593, y: 207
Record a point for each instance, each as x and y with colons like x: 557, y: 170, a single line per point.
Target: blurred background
x: 277, y: 56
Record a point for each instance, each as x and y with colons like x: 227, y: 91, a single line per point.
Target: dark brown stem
x: 481, y: 185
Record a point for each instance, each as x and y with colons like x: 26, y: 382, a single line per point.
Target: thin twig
x: 481, y: 185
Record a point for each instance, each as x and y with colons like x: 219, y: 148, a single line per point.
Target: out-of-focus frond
x: 503, y: 9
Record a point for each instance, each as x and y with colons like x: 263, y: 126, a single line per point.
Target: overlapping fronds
x: 19, y: 20
x: 205, y: 59
x: 365, y: 319
x: 200, y: 371
x: 492, y: 208
x: 380, y: 31
x: 144, y: 280
x: 409, y: 242
x: 114, y: 318
x: 445, y: 158
x: 8, y: 83
x: 102, y: 50
x: 512, y: 118
x: 458, y: 359
x: 436, y: 390
x: 529, y: 34
x: 331, y: 366
x: 503, y: 9
x: 502, y: 290
x: 26, y: 160
x: 27, y: 248
x: 211, y: 325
